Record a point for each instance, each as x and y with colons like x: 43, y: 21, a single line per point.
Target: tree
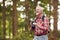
x: 50, y: 13
x: 55, y: 15
x: 4, y: 20
x: 35, y: 3
x: 14, y: 19
x: 27, y: 15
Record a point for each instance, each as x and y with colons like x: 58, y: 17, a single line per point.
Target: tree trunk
x: 35, y: 1
x: 4, y: 20
x: 14, y: 19
x: 55, y: 15
x: 50, y: 34
x: 27, y: 15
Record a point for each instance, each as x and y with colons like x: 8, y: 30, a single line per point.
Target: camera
x: 33, y: 26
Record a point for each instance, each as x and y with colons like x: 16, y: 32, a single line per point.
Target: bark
x: 4, y: 19
x: 27, y: 15
x: 14, y: 19
x: 55, y: 15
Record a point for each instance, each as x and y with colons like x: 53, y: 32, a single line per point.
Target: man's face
x: 38, y: 11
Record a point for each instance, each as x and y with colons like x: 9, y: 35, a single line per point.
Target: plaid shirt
x: 43, y: 26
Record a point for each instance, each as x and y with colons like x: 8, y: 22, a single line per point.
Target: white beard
x: 37, y: 14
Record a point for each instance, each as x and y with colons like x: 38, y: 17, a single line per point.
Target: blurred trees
x: 15, y: 16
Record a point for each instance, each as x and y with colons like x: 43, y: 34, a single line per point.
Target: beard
x: 37, y: 14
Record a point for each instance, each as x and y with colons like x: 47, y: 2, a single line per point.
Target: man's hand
x: 35, y: 24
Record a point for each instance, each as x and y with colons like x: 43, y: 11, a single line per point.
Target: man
x: 41, y: 25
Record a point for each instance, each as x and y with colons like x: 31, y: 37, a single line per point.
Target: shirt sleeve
x: 45, y: 24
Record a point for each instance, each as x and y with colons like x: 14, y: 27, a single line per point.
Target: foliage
x: 22, y: 34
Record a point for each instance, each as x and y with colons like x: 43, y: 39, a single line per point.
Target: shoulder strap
x: 43, y: 18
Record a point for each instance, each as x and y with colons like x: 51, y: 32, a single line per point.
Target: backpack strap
x: 43, y: 18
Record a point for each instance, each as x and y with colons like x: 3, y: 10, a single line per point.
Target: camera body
x: 33, y: 26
